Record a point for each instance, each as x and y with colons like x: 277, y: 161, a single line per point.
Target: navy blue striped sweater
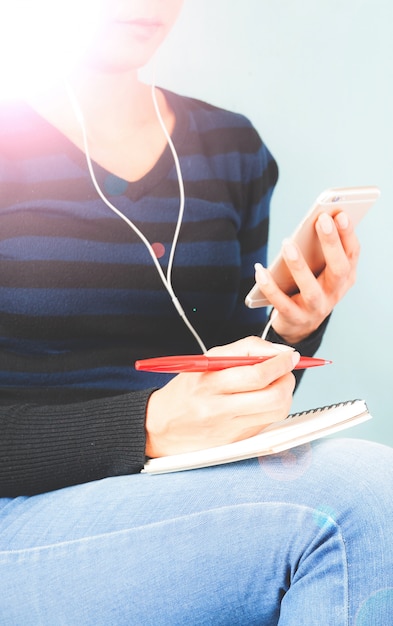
x: 80, y: 299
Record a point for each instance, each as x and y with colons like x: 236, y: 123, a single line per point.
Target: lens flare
x: 42, y: 40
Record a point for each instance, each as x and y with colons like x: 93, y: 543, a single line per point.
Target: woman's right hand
x: 202, y: 410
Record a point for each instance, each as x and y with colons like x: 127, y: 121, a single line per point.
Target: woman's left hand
x: 301, y: 314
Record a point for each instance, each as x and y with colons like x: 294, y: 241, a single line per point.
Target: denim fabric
x: 303, y: 538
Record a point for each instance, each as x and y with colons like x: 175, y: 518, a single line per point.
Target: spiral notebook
x: 296, y: 429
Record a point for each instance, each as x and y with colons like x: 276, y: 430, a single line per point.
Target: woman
x: 96, y: 274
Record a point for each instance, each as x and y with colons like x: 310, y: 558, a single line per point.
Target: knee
x: 359, y: 474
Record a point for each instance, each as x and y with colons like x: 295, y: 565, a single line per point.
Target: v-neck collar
x: 49, y: 135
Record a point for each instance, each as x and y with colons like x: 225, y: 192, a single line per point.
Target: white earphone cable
x: 180, y: 181
x: 273, y: 315
x: 166, y: 280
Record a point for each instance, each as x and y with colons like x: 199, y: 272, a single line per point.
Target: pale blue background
x: 316, y: 79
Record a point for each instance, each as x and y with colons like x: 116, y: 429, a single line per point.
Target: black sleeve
x: 307, y: 347
x: 49, y: 447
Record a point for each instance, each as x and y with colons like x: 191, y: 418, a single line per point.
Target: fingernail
x: 290, y: 250
x: 261, y: 273
x: 342, y: 220
x: 326, y: 223
x: 295, y: 358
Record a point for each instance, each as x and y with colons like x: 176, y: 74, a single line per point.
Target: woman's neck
x: 111, y: 104
x: 121, y: 124
x: 116, y: 101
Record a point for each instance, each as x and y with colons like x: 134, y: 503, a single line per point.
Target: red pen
x: 204, y: 363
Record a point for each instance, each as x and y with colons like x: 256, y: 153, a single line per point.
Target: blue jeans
x: 304, y: 538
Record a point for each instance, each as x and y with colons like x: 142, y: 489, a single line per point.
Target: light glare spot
x: 40, y: 41
x: 288, y: 465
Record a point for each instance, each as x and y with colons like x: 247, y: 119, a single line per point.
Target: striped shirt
x: 81, y: 300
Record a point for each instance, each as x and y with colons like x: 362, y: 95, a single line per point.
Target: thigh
x: 287, y: 538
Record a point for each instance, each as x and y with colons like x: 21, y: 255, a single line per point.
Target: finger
x: 331, y: 243
x: 252, y: 378
x: 248, y: 419
x: 337, y: 270
x: 347, y: 235
x: 310, y: 289
x: 340, y: 261
x: 297, y: 265
x: 278, y: 298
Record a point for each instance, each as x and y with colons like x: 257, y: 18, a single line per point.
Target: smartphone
x: 355, y: 201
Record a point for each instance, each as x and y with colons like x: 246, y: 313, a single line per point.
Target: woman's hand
x: 299, y: 315
x: 201, y: 410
